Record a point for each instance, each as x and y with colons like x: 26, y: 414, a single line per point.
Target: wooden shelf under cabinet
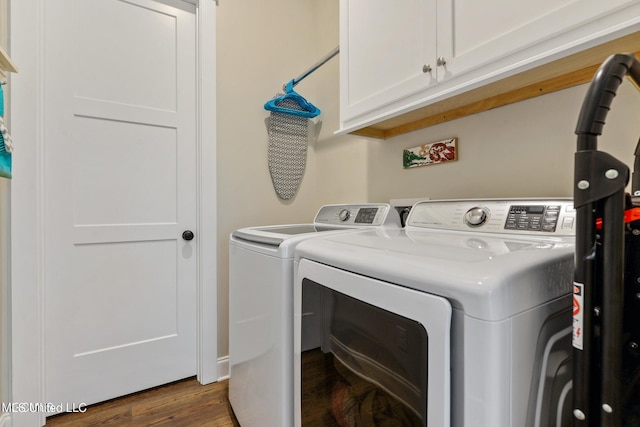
x: 6, y: 64
x: 567, y: 72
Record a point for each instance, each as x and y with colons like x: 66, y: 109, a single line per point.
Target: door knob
x: 188, y: 235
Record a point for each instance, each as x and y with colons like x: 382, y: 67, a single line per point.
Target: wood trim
x: 527, y: 92
x: 372, y: 132
x: 561, y: 74
x: 6, y: 64
x: 207, y: 195
x: 27, y: 212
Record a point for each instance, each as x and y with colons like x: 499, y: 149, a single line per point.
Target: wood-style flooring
x: 184, y: 403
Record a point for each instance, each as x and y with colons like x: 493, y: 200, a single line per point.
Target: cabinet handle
x: 426, y: 68
x: 441, y: 61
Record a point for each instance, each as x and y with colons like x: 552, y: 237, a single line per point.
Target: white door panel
x: 132, y: 40
x: 120, y: 165
x: 106, y: 153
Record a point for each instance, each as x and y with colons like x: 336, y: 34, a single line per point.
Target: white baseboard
x: 223, y: 369
x: 5, y: 420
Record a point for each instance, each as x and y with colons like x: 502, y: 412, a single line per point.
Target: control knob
x: 344, y: 215
x: 477, y: 216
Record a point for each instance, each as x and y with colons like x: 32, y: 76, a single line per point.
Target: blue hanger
x: 308, y: 109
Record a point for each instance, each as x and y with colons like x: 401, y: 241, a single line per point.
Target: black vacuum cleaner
x: 606, y: 321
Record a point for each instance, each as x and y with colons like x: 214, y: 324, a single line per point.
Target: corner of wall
x: 223, y: 369
x: 341, y: 160
x: 5, y: 420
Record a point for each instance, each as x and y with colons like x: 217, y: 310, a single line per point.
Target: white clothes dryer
x: 463, y: 318
x: 261, y: 308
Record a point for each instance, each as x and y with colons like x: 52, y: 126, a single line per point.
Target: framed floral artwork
x: 430, y: 154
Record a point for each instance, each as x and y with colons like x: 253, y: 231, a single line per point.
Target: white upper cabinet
x: 399, y: 56
x: 384, y: 47
x: 472, y: 33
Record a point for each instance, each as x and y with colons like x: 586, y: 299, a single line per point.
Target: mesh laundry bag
x: 287, y: 149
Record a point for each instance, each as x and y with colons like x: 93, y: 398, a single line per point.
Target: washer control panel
x: 523, y: 216
x: 533, y: 217
x: 357, y: 215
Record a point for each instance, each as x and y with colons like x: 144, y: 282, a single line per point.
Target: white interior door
x: 120, y: 189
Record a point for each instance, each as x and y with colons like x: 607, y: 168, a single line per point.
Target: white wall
x: 520, y: 150
x: 260, y: 46
x: 341, y: 161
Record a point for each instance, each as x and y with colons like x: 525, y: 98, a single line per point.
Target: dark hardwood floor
x: 184, y: 403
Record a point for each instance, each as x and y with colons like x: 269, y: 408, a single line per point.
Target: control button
x: 477, y: 216
x: 344, y: 215
x: 567, y: 223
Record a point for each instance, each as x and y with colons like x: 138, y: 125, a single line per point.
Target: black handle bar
x: 600, y: 95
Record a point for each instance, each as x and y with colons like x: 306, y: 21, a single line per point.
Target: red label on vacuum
x: 578, y: 299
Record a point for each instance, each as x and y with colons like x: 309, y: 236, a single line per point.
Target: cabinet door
x: 384, y: 46
x: 472, y: 33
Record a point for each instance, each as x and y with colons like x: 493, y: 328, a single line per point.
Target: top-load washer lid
x: 328, y: 218
x: 277, y: 234
x: 490, y: 275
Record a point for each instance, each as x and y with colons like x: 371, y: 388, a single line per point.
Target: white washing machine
x: 461, y: 319
x: 261, y: 308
